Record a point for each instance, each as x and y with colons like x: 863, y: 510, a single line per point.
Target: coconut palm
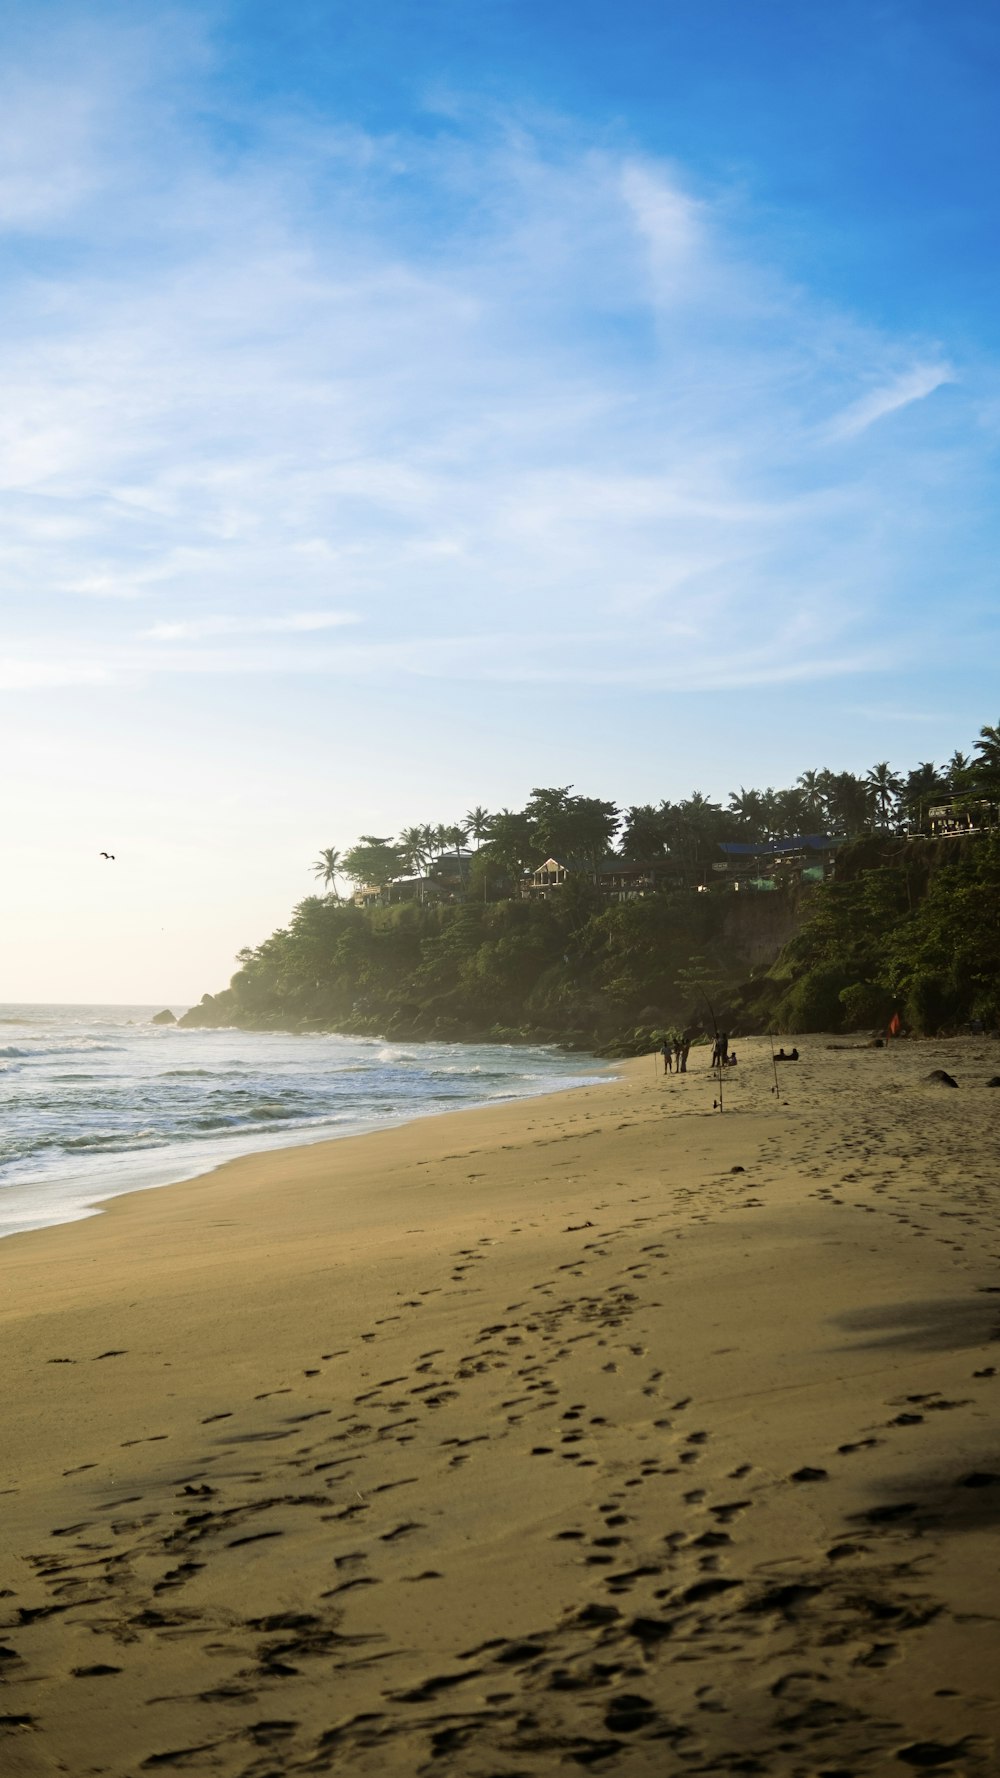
x: 885, y: 785
x: 924, y: 786
x: 478, y: 822
x: 848, y: 800
x: 647, y: 832
x: 456, y: 836
x: 987, y: 766
x: 327, y: 866
x: 961, y: 774
x: 414, y: 849
x: 791, y: 810
x: 746, y: 806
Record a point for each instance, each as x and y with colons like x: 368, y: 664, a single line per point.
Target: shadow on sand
x: 937, y: 1324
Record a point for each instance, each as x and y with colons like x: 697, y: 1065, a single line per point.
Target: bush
x: 813, y: 1004
x: 930, y: 1004
x: 865, y: 1004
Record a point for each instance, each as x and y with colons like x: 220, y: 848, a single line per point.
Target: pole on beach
x: 719, y: 1103
x: 774, y: 1066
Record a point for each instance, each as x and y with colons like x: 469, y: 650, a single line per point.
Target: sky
x: 406, y: 406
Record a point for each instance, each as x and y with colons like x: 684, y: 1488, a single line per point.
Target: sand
x: 598, y: 1432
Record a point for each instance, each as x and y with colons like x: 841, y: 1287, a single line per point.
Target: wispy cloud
x: 301, y: 623
x: 251, y: 398
x: 911, y: 385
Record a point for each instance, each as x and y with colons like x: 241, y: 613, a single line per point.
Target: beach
x: 596, y: 1431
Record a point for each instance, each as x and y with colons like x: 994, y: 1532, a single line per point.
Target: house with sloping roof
x: 620, y: 879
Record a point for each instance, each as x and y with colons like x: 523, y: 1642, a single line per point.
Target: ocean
x: 96, y: 1100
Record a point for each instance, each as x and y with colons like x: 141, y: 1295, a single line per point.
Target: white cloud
x: 565, y: 431
x: 301, y: 623
x: 910, y: 385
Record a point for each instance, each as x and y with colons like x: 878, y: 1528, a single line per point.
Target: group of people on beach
x: 675, y: 1050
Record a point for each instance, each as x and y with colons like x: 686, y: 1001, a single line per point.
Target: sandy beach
x: 601, y: 1431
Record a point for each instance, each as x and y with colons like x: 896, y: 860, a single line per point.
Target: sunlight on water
x: 95, y: 1100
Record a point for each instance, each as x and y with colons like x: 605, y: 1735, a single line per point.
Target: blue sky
x: 408, y: 405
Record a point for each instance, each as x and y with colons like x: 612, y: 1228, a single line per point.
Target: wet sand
x: 596, y: 1432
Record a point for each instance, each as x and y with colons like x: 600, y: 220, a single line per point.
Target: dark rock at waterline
x: 941, y: 1078
x: 995, y: 1082
x: 166, y: 1017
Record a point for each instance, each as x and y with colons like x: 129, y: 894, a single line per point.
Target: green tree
x: 747, y: 807
x: 373, y: 862
x: 697, y: 825
x: 456, y: 837
x: 548, y: 812
x: 646, y: 833
x: 815, y: 813
x: 513, y: 845
x: 924, y: 785
x: 328, y: 866
x: 986, y: 767
x: 791, y: 812
x: 849, y: 802
x: 885, y: 786
x: 413, y: 847
x: 478, y: 822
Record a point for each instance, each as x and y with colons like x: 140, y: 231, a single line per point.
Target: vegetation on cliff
x: 586, y: 829
x: 573, y: 968
x: 909, y: 923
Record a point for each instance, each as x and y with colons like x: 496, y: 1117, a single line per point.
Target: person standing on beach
x: 682, y: 1052
x: 667, y: 1052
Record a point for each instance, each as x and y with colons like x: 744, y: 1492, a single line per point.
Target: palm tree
x: 885, y: 785
x: 923, y: 786
x: 848, y: 801
x: 810, y: 784
x: 478, y: 821
x: 413, y: 847
x: 791, y: 811
x: 987, y: 766
x: 746, y: 806
x: 961, y: 775
x: 647, y: 832
x: 327, y: 866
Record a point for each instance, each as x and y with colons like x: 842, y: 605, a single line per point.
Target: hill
x: 907, y: 924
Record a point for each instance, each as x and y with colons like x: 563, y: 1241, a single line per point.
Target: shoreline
x: 79, y: 1197
x: 561, y: 1429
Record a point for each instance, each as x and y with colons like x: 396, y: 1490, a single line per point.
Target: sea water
x: 96, y: 1100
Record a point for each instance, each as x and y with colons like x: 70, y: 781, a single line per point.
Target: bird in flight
x: 108, y: 855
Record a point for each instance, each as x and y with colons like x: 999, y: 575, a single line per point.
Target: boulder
x: 941, y: 1078
x: 166, y: 1017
